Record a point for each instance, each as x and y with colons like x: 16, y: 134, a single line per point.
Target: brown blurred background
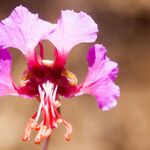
x: 125, y: 31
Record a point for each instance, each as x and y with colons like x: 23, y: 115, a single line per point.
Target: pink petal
x: 23, y: 30
x: 99, y: 81
x: 73, y: 28
x: 6, y: 84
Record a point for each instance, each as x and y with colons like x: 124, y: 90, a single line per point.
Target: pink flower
x: 47, y: 80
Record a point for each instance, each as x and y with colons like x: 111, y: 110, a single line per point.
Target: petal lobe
x: 100, y: 78
x: 6, y: 84
x: 23, y: 30
x: 73, y: 28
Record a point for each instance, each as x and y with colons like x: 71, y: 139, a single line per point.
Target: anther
x: 42, y: 134
x: 28, y: 129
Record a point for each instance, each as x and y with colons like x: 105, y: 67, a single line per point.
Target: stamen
x: 54, y: 94
x: 42, y: 103
x: 48, y: 110
x: 28, y: 129
x: 31, y: 124
x: 57, y: 103
x: 42, y: 134
x: 38, y: 113
x: 72, y: 79
x: 68, y: 130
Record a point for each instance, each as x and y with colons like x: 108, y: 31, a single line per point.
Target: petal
x: 6, y: 84
x: 99, y: 81
x: 23, y: 30
x: 73, y: 28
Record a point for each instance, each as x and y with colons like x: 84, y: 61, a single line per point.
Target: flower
x: 47, y: 80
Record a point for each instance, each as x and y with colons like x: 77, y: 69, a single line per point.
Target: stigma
x: 48, y: 116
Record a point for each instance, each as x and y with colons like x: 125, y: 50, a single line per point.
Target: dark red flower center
x: 46, y: 81
x: 44, y: 71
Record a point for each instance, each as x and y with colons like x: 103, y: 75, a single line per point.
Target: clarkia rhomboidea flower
x: 47, y: 80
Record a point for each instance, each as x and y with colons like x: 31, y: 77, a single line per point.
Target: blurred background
x: 125, y: 32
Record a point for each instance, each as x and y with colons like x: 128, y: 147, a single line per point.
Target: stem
x: 46, y: 143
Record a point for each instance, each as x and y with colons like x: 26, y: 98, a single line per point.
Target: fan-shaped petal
x: 100, y: 78
x: 23, y: 30
x: 71, y: 29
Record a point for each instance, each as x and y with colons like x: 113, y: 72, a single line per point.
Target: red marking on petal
x: 41, y: 50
